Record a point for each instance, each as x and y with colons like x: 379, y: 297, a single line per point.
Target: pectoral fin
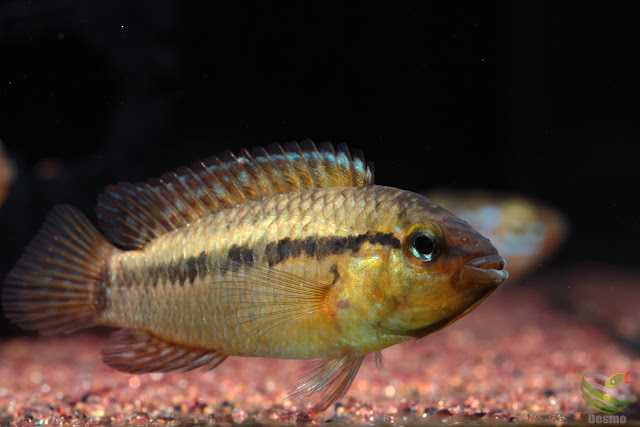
x: 263, y: 299
x: 328, y: 380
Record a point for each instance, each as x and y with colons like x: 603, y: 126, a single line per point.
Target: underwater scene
x: 214, y: 213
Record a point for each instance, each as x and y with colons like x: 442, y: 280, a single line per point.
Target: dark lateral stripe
x: 275, y: 252
x: 237, y: 256
x: 197, y: 266
x: 178, y: 272
x: 320, y: 247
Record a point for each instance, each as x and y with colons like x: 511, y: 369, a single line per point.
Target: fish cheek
x: 424, y: 297
x: 419, y: 310
x: 362, y: 287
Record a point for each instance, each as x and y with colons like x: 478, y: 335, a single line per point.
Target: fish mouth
x: 484, y: 271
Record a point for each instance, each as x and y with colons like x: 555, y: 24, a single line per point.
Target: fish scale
x: 286, y: 252
x: 255, y: 225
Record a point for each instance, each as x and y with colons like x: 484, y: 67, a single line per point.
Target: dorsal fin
x: 131, y: 215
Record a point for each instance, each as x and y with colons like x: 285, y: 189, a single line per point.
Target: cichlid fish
x: 287, y: 252
x: 6, y: 174
x: 524, y: 231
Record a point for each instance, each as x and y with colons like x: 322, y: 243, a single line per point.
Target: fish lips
x: 483, y: 272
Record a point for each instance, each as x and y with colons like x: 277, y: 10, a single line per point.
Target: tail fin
x: 60, y: 282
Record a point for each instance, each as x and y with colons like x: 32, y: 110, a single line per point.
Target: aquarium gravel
x: 519, y: 357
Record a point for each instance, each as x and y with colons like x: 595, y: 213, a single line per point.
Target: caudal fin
x: 60, y: 282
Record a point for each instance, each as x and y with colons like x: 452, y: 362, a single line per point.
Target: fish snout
x: 482, y: 272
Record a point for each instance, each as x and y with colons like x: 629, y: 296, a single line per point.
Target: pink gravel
x: 518, y: 358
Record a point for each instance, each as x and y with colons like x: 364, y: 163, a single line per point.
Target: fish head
x: 444, y: 269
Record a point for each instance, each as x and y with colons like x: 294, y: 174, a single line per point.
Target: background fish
x: 6, y: 174
x: 285, y: 252
x: 526, y: 232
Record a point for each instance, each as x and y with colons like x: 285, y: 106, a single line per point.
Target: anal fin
x: 328, y: 380
x: 138, y: 351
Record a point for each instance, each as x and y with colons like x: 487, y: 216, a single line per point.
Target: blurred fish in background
x: 6, y: 174
x: 525, y: 231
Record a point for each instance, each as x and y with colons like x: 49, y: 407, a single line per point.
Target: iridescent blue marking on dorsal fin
x: 131, y: 215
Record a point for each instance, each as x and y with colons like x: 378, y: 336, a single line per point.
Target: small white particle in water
x: 155, y: 376
x: 390, y: 391
x: 3, y: 391
x: 60, y: 36
x: 270, y: 385
x: 183, y: 383
x: 45, y: 388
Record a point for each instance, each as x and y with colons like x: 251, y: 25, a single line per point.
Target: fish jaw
x: 483, y: 274
x: 477, y: 279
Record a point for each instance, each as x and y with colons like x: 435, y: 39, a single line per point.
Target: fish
x: 7, y: 174
x: 525, y: 231
x: 289, y: 251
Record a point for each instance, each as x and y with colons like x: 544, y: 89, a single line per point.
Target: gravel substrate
x: 518, y: 358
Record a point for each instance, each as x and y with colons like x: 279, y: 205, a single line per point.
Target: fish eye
x: 423, y: 246
x: 423, y: 241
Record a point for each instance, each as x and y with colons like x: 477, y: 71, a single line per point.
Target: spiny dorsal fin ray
x: 131, y: 215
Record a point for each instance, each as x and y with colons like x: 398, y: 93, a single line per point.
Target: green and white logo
x: 606, y: 394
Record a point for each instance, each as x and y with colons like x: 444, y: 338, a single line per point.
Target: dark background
x: 529, y: 97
